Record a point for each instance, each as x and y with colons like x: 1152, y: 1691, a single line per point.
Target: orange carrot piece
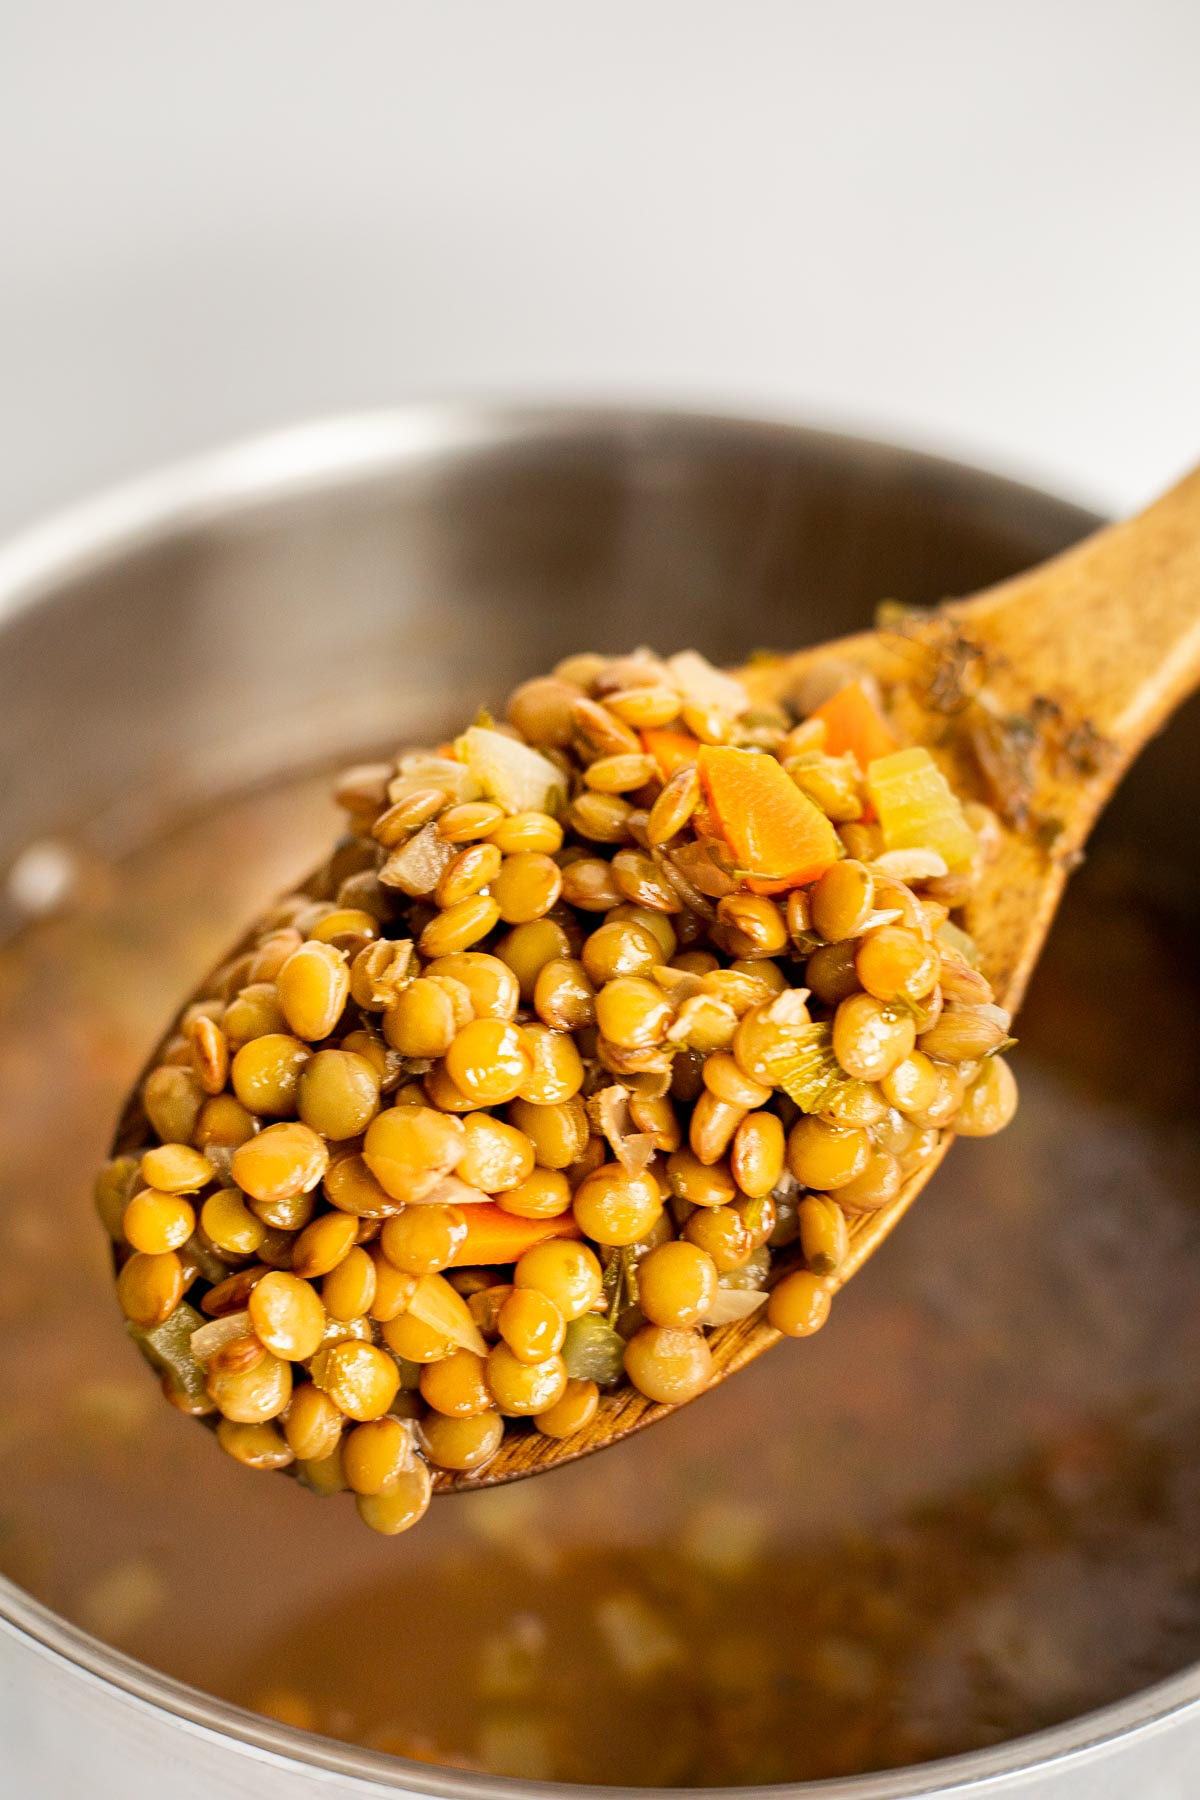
x: 670, y: 748
x: 773, y: 829
x: 494, y: 1236
x: 853, y: 722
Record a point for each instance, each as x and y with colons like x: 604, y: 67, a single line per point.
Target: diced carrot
x: 853, y: 722
x: 774, y: 831
x: 670, y: 748
x: 495, y: 1236
x: 448, y: 750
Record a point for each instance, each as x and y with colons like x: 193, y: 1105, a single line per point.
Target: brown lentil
x: 868, y: 1039
x: 894, y: 963
x: 228, y: 1223
x: 462, y: 1443
x: 523, y: 1388
x: 476, y: 867
x: 359, y: 1378
x: 287, y: 1316
x: 348, y: 1290
x: 489, y: 1061
x: 460, y: 926
x: 613, y: 1206
x: 667, y: 1365
x: 841, y: 901
x: 572, y: 1412
x: 423, y: 1239
x: 756, y: 1157
x: 281, y: 1162
x: 338, y: 1095
x: 677, y: 1284
x: 563, y: 995
x: 824, y: 1236
x: 223, y: 1122
x: 150, y: 1287
x: 257, y: 1446
x: 989, y: 1102
x: 312, y: 1424
x: 566, y: 1272
x: 589, y: 883
x: 155, y: 1222
x: 722, y: 1233
x: 376, y: 1454
x: 400, y: 1505
x: 266, y: 1074
x: 491, y: 986
x: 559, y: 1134
x: 172, y: 1098
x: 531, y: 1325
x: 557, y: 1072
x: 176, y: 1169
x: 799, y: 1305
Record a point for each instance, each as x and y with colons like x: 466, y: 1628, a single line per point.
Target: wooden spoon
x: 1096, y: 647
x: 1090, y: 653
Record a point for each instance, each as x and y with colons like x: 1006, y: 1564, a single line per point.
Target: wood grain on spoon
x: 1099, y: 646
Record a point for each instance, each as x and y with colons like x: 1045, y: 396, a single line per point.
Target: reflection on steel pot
x: 197, y: 635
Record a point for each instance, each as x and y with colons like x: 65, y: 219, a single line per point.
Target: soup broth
x: 968, y: 1509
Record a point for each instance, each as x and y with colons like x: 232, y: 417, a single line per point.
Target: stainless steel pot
x: 429, y: 558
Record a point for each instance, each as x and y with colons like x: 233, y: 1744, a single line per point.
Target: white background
x: 973, y: 226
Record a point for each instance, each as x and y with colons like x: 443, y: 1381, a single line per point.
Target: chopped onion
x: 609, y: 1109
x: 791, y: 1008
x: 910, y: 865
x: 703, y: 685
x: 450, y: 1191
x: 437, y: 1305
x: 884, y: 915
x: 416, y: 867
x: 733, y: 1304
x: 513, y: 774
x: 208, y: 1339
x: 678, y: 984
x: 418, y: 769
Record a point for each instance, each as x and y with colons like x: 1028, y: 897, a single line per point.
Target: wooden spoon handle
x: 1109, y: 630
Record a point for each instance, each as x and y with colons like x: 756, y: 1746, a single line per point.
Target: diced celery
x: 805, y: 1067
x: 168, y: 1348
x: 514, y: 775
x: 917, y: 808
x: 593, y: 1351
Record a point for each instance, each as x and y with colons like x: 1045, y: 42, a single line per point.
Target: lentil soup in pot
x: 966, y: 1510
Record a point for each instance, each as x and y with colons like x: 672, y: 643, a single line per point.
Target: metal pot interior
x: 242, y: 625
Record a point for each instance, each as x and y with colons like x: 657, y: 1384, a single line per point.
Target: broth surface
x: 968, y: 1508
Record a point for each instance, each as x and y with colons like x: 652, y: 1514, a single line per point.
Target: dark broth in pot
x: 969, y: 1508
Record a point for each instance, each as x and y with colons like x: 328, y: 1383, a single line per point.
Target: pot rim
x: 320, y: 456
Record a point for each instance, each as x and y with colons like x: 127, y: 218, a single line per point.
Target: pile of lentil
x: 596, y: 1033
